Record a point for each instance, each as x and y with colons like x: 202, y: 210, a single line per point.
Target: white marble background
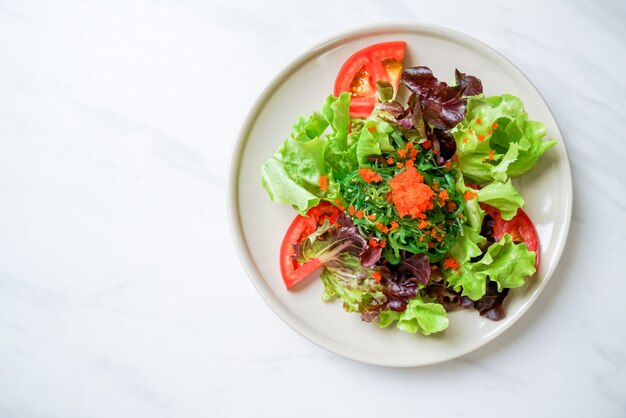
x: 120, y: 292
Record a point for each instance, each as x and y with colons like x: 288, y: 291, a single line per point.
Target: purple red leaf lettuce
x: 442, y: 106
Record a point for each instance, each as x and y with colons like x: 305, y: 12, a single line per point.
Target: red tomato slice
x: 363, y: 69
x: 520, y: 227
x: 292, y: 271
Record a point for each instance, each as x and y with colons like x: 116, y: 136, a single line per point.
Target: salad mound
x: 409, y: 211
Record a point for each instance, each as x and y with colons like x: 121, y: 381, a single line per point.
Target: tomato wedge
x: 363, y: 69
x: 293, y: 271
x: 520, y: 227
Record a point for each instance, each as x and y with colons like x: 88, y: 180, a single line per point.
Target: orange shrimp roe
x: 410, y: 195
x: 451, y: 263
x: 323, y: 181
x: 370, y: 176
x: 382, y: 228
x: 469, y: 195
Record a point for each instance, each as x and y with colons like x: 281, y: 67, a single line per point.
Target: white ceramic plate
x: 258, y: 225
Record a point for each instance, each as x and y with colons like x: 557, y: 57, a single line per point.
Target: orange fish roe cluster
x: 351, y: 210
x: 377, y: 276
x: 491, y: 152
x: 323, y: 181
x: 406, y: 155
x: 371, y: 217
x: 451, y: 263
x: 374, y: 243
x: 478, y: 121
x: 435, y: 234
x: 359, y: 214
x: 469, y: 195
x: 382, y: 228
x: 443, y: 195
x: 480, y: 137
x: 389, y: 161
x: 495, y: 125
x: 394, y: 225
x: 370, y: 176
x: 410, y: 195
x: 451, y: 206
x: 423, y: 224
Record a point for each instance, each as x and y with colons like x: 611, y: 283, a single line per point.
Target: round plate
x: 258, y: 225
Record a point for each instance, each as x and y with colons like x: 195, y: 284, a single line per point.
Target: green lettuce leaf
x: 516, y: 142
x: 283, y: 189
x: 292, y: 175
x: 366, y: 147
x: 505, y: 262
x: 473, y: 214
x: 419, y: 316
x: 502, y: 196
x: 467, y: 247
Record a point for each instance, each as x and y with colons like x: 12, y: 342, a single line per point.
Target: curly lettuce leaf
x: 346, y: 279
x: 292, y: 175
x: 502, y: 196
x: 440, y: 105
x: 283, y: 189
x: 505, y: 263
x: 497, y: 141
x: 466, y: 248
x: 423, y: 317
x: 328, y: 241
x: 473, y: 214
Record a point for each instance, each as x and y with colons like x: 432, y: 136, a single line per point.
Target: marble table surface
x: 121, y: 294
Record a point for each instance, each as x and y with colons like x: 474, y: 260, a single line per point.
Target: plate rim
x: 233, y: 207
